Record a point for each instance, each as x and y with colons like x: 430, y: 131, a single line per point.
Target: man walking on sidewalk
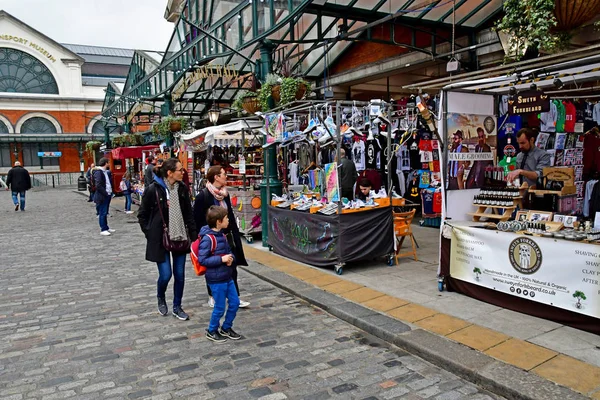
x: 19, y: 181
x: 103, y: 195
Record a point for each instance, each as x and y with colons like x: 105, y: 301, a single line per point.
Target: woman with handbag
x: 126, y: 189
x: 167, y: 220
x: 215, y: 193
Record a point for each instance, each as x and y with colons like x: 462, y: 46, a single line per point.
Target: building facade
x: 51, y: 96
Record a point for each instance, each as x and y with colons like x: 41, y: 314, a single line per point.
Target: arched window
x: 23, y: 73
x: 38, y: 125
x: 3, y: 128
x: 98, y: 128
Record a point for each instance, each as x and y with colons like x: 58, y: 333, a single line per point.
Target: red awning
x: 131, y: 152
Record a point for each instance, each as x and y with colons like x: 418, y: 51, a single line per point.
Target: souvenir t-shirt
x: 413, y: 149
x: 372, y: 150
x: 413, y: 192
x: 358, y: 155
x: 381, y: 161
x: 560, y: 116
x: 570, y: 116
x: 424, y: 178
x: 427, y: 201
x: 548, y: 119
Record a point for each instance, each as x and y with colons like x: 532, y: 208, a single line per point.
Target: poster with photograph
x: 542, y: 140
x: 472, y: 143
x: 559, y: 143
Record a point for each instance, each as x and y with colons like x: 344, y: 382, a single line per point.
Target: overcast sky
x: 130, y: 24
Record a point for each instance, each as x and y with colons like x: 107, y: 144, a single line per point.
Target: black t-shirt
x: 413, y: 192
x: 372, y: 150
x: 413, y: 150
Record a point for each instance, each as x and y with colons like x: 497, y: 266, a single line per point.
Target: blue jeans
x: 16, y: 201
x: 164, y: 276
x: 221, y: 292
x: 128, y: 202
x: 102, y: 209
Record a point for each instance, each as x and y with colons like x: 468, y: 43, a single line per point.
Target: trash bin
x: 81, y: 184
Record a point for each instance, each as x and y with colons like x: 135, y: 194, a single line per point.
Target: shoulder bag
x: 177, y: 246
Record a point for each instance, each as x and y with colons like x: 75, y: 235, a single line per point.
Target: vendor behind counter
x: 531, y: 160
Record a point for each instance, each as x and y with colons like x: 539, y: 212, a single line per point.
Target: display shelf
x: 481, y: 213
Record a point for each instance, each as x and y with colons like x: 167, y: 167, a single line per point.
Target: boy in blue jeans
x: 219, y: 267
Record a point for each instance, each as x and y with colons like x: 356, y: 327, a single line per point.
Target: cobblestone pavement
x: 78, y: 320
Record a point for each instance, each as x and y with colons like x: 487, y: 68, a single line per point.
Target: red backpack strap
x: 213, y: 243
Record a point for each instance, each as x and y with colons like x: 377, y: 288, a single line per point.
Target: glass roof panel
x: 467, y: 8
x: 438, y: 12
x: 484, y: 13
x: 340, y: 2
x: 420, y: 6
x: 366, y: 4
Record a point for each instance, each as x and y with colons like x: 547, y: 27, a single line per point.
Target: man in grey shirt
x: 531, y: 160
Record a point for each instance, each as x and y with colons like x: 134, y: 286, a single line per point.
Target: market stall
x: 529, y: 245
x: 314, y: 221
x: 129, y: 159
x: 237, y: 146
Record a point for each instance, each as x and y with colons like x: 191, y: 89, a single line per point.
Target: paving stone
x: 80, y: 322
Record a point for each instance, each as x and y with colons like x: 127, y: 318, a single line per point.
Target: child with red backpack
x: 215, y: 254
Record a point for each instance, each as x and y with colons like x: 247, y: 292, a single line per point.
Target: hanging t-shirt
x: 570, y: 116
x: 424, y: 178
x: 427, y: 201
x: 413, y: 149
x: 413, y: 192
x: 293, y: 168
x: 358, y: 155
x: 403, y: 159
x: 372, y: 150
x: 560, y: 116
x: 381, y: 158
x: 548, y: 119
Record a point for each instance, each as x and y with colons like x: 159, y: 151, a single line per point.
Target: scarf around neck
x: 177, y: 230
x: 218, y: 194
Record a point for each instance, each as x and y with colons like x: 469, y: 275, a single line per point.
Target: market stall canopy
x: 208, y: 136
x: 131, y: 152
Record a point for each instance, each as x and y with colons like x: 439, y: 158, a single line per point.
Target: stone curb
x: 498, y: 377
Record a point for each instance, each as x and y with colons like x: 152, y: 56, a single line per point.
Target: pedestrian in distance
x: 149, y: 170
x: 18, y: 181
x: 215, y: 193
x: 220, y: 264
x: 126, y: 189
x: 167, y: 199
x: 90, y: 181
x: 103, y: 195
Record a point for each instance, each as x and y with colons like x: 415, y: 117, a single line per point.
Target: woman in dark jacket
x: 168, y: 193
x: 215, y: 193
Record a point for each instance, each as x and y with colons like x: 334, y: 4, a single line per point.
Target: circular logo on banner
x: 525, y: 255
x: 489, y: 124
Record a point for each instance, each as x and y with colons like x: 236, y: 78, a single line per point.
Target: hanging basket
x: 175, y: 126
x: 276, y: 93
x: 300, y: 91
x: 251, y: 105
x: 571, y: 14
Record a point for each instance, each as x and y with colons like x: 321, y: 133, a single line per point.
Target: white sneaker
x: 112, y: 230
x: 211, y: 302
x: 105, y: 233
x: 244, y: 304
x: 128, y: 212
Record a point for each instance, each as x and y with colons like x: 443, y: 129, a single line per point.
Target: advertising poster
x: 472, y: 142
x: 535, y: 268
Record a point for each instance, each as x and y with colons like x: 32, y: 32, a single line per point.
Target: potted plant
x: 530, y: 23
x: 273, y: 82
x: 293, y: 88
x: 117, y: 141
x: 92, y: 146
x: 246, y: 100
x: 170, y: 124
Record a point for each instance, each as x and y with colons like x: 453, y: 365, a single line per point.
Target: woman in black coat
x: 171, y: 195
x: 215, y: 193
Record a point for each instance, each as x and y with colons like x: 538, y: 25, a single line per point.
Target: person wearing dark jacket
x: 215, y: 193
x: 148, y: 174
x: 167, y: 195
x: 103, y: 195
x: 219, y: 264
x: 348, y: 175
x: 19, y: 181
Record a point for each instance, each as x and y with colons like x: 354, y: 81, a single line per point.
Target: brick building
x: 51, y: 96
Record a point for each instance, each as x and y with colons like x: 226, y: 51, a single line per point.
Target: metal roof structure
x: 311, y: 34
x: 83, y: 50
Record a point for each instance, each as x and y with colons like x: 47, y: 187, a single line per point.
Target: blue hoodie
x: 216, y: 270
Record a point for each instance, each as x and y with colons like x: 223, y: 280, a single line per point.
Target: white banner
x: 556, y: 272
x: 470, y: 156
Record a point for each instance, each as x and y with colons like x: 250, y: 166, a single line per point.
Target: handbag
x: 177, y: 246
